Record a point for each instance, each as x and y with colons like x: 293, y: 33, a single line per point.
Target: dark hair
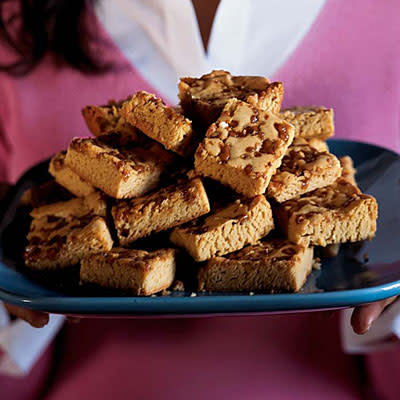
x: 64, y: 28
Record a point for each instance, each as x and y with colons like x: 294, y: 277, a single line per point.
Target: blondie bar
x: 348, y: 170
x: 137, y: 271
x: 63, y: 233
x: 310, y: 122
x: 348, y: 173
x: 204, y: 98
x: 303, y: 170
x: 120, y: 171
x: 161, y: 210
x: 105, y: 119
x: 334, y: 214
x: 226, y: 230
x: 244, y: 148
x: 274, y: 265
x: 161, y: 123
x: 68, y: 178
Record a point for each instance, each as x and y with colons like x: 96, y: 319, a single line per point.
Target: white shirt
x: 161, y: 38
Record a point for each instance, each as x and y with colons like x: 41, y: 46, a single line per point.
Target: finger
x: 35, y: 318
x: 364, y: 316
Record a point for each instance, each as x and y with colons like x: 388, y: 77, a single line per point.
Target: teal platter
x: 361, y: 273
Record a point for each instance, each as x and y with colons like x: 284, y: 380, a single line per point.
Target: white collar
x: 161, y: 38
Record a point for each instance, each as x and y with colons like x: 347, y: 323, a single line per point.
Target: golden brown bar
x: 63, y: 233
x: 226, y: 230
x: 310, y: 122
x: 303, y: 170
x: 164, y: 209
x: 204, y: 98
x: 274, y: 265
x: 119, y: 171
x: 244, y: 148
x: 334, y: 214
x: 159, y: 122
x: 139, y: 272
x: 67, y: 178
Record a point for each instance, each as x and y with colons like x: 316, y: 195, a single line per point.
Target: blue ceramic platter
x: 344, y: 281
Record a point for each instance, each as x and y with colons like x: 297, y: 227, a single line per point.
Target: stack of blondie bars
x: 245, y: 188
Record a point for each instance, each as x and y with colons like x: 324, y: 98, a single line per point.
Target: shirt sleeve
x: 384, y: 334
x: 21, y: 345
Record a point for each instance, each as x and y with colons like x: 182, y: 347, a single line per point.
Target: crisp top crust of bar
x: 134, y: 256
x: 304, y: 157
x: 94, y: 204
x: 188, y: 191
x: 269, y: 251
x: 128, y: 158
x: 247, y: 138
x: 238, y: 210
x: 340, y: 195
x: 142, y: 98
x: 219, y: 86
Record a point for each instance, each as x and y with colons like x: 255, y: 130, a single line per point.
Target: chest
x: 340, y: 63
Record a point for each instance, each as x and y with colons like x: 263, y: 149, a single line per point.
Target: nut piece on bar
x: 68, y: 178
x: 317, y: 144
x: 334, y: 214
x: 161, y: 123
x: 274, y: 265
x: 310, y: 122
x: 226, y: 230
x: 136, y: 271
x: 204, y: 98
x: 158, y: 211
x: 63, y: 233
x: 303, y: 170
x: 244, y: 148
x: 119, y: 171
x: 105, y: 119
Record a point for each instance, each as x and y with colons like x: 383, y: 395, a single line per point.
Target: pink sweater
x: 350, y: 60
